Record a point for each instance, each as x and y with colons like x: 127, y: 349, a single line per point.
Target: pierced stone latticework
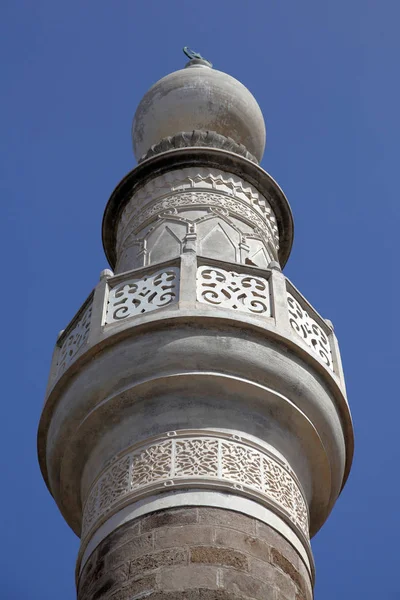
x: 228, y: 289
x: 144, y: 294
x: 74, y: 337
x: 188, y: 458
x: 309, y: 330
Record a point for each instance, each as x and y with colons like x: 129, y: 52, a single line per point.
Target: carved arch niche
x: 218, y: 239
x: 165, y: 241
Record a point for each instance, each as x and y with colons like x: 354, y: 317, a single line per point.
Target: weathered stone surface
x: 133, y: 588
x: 200, y: 594
x: 218, y: 556
x: 120, y: 536
x: 267, y: 572
x: 274, y: 539
x: 194, y: 98
x: 187, y: 139
x: 165, y: 558
x: 112, y: 580
x: 247, y: 543
x: 242, y: 583
x: 179, y: 536
x: 163, y: 518
x: 287, y: 567
x: 227, y: 518
x: 136, y: 547
x: 195, y: 552
x: 185, y: 578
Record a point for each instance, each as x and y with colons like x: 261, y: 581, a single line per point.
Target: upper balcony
x: 203, y: 288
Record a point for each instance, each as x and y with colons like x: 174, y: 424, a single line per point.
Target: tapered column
x: 198, y: 553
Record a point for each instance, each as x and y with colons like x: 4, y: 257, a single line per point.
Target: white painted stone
x: 192, y: 458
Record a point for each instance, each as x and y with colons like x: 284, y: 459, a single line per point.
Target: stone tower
x: 196, y: 430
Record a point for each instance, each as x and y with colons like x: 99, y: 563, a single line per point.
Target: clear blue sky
x: 326, y: 76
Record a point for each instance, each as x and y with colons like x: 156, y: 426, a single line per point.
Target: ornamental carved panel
x: 185, y: 459
x: 309, y: 330
x: 227, y: 289
x: 74, y: 337
x: 140, y: 295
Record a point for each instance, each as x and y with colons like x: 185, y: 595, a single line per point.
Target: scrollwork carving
x: 228, y: 289
x: 140, y: 295
x: 74, y: 338
x: 309, y: 330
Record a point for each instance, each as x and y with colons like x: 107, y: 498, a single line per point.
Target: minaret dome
x: 198, y: 98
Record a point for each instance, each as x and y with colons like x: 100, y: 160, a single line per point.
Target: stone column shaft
x: 196, y: 431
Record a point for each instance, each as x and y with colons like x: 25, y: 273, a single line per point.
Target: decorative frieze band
x: 228, y: 289
x: 196, y: 139
x: 309, y: 330
x: 203, y: 188
x: 191, y: 459
x: 144, y: 294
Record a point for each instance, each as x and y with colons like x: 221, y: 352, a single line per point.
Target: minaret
x: 196, y: 431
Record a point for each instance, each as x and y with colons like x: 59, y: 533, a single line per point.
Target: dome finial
x: 192, y: 55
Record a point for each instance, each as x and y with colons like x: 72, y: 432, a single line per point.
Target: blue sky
x: 326, y: 77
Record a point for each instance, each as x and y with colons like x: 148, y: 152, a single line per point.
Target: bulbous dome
x: 198, y: 98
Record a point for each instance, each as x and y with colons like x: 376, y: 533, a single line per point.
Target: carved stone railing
x: 309, y: 326
x: 228, y: 289
x: 145, y: 293
x: 73, y: 339
x: 198, y: 285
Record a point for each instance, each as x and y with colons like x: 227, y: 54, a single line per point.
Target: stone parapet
x: 263, y: 297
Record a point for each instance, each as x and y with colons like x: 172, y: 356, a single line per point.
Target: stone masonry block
x: 219, y: 556
x: 200, y: 594
x: 184, y: 578
x: 242, y: 583
x: 246, y: 543
x: 91, y: 573
x: 185, y: 535
x: 195, y: 554
x: 227, y: 518
x: 165, y: 558
x: 119, y: 537
x: 269, y: 573
x: 111, y: 582
x: 144, y: 585
x: 168, y: 518
x: 274, y: 539
x: 143, y: 544
x: 287, y: 567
